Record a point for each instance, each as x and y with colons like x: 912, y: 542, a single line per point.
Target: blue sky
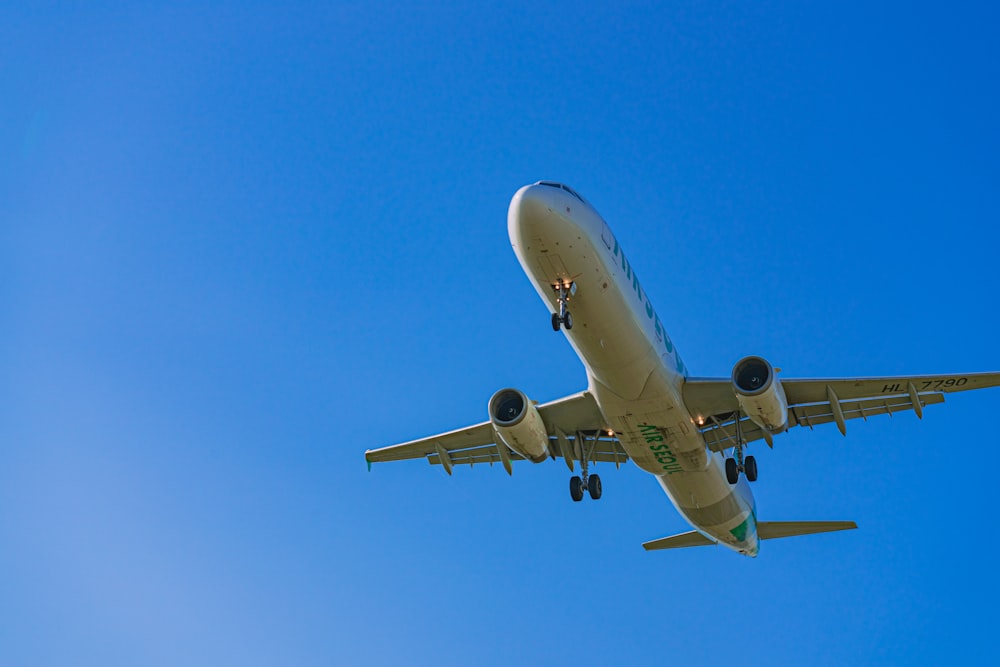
x: 241, y: 244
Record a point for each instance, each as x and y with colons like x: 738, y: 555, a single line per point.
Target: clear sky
x: 241, y: 244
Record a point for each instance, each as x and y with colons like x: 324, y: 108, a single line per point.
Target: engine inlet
x: 752, y: 375
x: 507, y: 407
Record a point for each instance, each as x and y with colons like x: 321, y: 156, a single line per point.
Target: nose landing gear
x: 563, y: 317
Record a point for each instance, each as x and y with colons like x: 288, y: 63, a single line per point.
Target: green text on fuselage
x: 661, y: 450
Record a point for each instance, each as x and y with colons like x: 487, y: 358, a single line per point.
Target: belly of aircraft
x: 632, y: 381
x: 698, y: 490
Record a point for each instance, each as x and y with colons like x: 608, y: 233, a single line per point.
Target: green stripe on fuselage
x: 740, y: 531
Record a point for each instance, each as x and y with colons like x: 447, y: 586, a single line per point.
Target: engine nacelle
x: 518, y: 424
x: 760, y: 394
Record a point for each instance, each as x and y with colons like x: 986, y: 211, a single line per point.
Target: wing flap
x: 814, y: 391
x: 714, y: 402
x: 461, y: 438
x: 604, y: 450
x: 721, y: 434
x: 477, y: 443
x: 714, y: 396
x: 822, y: 413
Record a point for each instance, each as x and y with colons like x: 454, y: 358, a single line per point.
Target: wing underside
x: 822, y: 401
x: 577, y: 430
x: 575, y: 425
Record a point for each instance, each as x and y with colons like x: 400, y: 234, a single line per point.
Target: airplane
x: 641, y: 404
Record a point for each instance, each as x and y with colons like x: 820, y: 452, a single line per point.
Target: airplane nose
x: 529, y: 208
x: 530, y: 201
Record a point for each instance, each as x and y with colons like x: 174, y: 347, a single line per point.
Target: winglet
x: 368, y: 461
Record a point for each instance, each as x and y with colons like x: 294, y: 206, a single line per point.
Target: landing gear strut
x: 563, y: 317
x: 592, y: 483
x: 734, y: 466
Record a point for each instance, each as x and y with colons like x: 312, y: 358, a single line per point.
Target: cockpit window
x: 553, y: 184
x: 572, y: 192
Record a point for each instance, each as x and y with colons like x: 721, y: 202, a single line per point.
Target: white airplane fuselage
x: 634, y: 371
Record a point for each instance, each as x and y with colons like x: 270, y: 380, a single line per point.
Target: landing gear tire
x: 562, y: 317
x: 576, y: 489
x: 594, y: 487
x: 732, y: 471
x: 564, y: 320
x: 750, y: 468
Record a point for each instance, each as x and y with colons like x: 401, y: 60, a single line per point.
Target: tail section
x: 766, y: 530
x: 770, y: 530
x: 691, y: 539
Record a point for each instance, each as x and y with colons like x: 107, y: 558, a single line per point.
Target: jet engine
x: 518, y: 424
x: 760, y: 394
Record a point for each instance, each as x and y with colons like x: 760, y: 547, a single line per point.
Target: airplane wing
x: 574, y: 423
x: 823, y: 401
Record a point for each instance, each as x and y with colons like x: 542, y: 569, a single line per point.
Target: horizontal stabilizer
x: 766, y: 530
x: 769, y: 530
x: 692, y: 539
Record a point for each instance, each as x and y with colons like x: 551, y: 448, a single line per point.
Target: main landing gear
x: 563, y: 317
x: 585, y: 481
x: 734, y: 466
x: 577, y: 484
x: 740, y: 464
